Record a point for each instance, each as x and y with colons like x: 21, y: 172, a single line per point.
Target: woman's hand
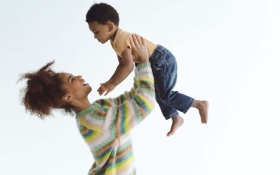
x: 139, y: 49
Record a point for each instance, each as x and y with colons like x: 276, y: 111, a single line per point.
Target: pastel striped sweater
x: 106, y: 125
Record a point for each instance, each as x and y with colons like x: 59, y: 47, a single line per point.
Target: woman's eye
x: 96, y: 32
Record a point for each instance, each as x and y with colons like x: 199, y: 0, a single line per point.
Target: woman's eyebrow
x: 69, y: 77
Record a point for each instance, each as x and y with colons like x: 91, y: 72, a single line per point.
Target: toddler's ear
x: 110, y: 25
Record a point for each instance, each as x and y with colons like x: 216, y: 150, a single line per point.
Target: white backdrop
x: 227, y: 53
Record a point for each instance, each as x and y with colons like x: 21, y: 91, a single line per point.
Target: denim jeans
x: 164, y: 67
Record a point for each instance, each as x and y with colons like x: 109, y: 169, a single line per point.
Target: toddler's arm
x: 126, y: 69
x: 140, y: 52
x: 119, y: 68
x: 127, y: 95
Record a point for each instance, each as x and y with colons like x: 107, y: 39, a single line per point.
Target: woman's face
x: 75, y: 86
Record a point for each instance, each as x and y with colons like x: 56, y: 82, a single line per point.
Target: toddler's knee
x: 164, y: 99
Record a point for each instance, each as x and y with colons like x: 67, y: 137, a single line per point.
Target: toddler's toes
x: 177, y: 121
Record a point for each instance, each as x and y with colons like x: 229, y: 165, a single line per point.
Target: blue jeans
x: 164, y: 67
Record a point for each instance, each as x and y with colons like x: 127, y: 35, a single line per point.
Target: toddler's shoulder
x: 121, y: 41
x: 122, y: 37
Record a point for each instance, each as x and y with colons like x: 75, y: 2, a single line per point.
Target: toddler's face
x: 101, y: 31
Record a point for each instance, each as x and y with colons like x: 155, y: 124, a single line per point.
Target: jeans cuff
x: 188, y: 106
x: 171, y: 115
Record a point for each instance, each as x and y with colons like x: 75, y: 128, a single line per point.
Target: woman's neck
x: 80, y: 105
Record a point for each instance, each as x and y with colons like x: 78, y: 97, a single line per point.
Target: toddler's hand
x: 108, y: 86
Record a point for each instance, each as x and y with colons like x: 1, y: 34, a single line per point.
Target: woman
x: 105, y: 124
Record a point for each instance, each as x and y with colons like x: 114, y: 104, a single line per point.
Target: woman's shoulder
x: 94, y: 106
x: 103, y: 103
x: 92, y: 117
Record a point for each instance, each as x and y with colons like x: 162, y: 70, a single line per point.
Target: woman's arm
x: 130, y: 113
x: 115, y: 119
x: 121, y: 117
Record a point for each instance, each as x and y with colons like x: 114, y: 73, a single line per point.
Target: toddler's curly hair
x: 102, y: 13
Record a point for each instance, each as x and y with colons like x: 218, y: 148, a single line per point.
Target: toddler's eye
x: 73, y: 79
x: 96, y: 32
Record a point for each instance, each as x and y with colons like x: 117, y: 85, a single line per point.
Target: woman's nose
x: 79, y: 77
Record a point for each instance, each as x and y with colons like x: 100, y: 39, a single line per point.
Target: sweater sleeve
x: 129, y: 109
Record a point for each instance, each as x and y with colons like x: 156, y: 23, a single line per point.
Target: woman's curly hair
x: 43, y: 92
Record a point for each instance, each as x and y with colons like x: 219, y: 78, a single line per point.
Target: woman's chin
x: 90, y: 89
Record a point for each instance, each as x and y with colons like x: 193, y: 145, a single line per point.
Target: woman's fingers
x: 135, y: 40
x: 138, y: 40
x: 131, y: 41
x: 143, y: 41
x: 139, y: 49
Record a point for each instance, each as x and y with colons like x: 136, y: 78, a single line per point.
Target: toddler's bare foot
x: 177, y: 121
x: 203, y: 111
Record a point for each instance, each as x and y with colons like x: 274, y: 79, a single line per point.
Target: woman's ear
x: 67, y: 98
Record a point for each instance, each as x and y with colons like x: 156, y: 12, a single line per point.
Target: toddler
x: 103, y: 21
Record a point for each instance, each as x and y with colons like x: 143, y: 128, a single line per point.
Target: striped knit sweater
x: 106, y: 125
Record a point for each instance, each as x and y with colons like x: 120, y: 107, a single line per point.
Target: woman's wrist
x: 143, y: 65
x: 144, y: 61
